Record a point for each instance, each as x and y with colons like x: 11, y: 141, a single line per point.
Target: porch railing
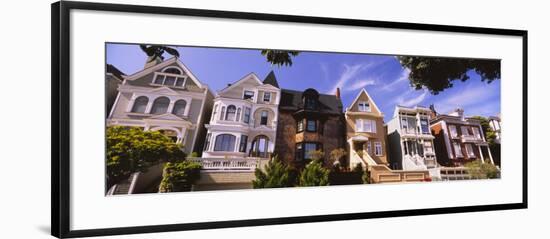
x: 230, y: 164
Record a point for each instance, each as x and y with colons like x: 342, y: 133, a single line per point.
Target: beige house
x: 165, y: 96
x: 365, y: 133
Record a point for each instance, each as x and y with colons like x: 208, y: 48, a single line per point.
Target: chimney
x: 152, y: 61
x: 338, y: 92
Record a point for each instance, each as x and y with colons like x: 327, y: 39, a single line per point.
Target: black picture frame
x: 60, y: 117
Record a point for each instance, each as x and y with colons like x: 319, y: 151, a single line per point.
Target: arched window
x: 160, y: 105
x: 140, y: 104
x: 225, y: 142
x: 260, y: 146
x: 172, y: 70
x: 179, y: 108
x: 230, y: 113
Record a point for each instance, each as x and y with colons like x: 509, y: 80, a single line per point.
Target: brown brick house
x: 308, y: 121
x: 459, y: 139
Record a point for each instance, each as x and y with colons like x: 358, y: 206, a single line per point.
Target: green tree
x: 437, y: 74
x: 156, y: 51
x: 480, y: 170
x: 130, y: 149
x: 275, y: 175
x: 314, y: 175
x: 279, y: 57
x: 179, y: 176
x: 489, y: 133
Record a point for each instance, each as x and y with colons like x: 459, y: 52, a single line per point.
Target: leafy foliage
x: 314, y: 175
x: 279, y: 57
x: 490, y: 134
x: 438, y: 74
x: 179, y: 176
x: 336, y: 155
x: 156, y: 51
x: 480, y: 170
x: 276, y: 175
x: 130, y: 149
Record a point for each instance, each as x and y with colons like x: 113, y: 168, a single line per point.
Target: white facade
x: 412, y: 140
x: 243, y: 123
x: 166, y: 97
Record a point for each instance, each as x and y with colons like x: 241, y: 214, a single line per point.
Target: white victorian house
x: 167, y: 97
x: 244, y: 119
x: 411, y: 141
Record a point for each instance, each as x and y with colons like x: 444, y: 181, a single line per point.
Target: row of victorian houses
x: 253, y: 119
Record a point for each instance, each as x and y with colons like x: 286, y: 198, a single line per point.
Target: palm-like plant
x: 279, y: 57
x: 156, y: 51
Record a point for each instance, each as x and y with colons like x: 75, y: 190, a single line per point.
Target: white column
x: 490, y: 155
x: 170, y: 107
x: 481, y: 154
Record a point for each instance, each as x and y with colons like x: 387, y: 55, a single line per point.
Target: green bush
x: 179, y: 176
x: 130, y: 150
x: 480, y: 170
x: 275, y: 175
x: 314, y: 175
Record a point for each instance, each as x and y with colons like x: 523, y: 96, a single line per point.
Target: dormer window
x: 364, y: 106
x: 310, y: 104
x: 172, y: 77
x: 310, y: 99
x: 248, y: 94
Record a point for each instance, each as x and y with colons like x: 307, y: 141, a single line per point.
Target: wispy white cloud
x: 475, y: 98
x: 349, y: 73
x: 324, y: 69
x: 360, y: 84
x: 403, y: 77
x: 412, y: 98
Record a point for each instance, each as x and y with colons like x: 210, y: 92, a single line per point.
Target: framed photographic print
x: 167, y: 119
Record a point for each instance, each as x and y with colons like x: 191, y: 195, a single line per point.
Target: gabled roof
x: 292, y: 100
x: 270, y: 79
x: 363, y: 91
x: 246, y: 77
x: 162, y: 65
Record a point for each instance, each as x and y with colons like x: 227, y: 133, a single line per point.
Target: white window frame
x: 249, y: 90
x: 378, y: 151
x: 464, y: 130
x: 458, y: 151
x: 360, y: 126
x: 164, y: 79
x: 364, y: 106
x: 470, y: 151
x: 428, y: 145
x: 268, y: 94
x: 477, y: 132
x: 453, y: 131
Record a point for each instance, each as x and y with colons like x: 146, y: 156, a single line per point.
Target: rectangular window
x: 248, y: 94
x: 263, y: 118
x: 458, y: 150
x: 464, y: 130
x: 214, y: 112
x: 308, y: 148
x: 222, y: 113
x: 364, y: 106
x: 267, y: 96
x: 159, y: 79
x: 299, y: 152
x: 369, y: 147
x: 207, y: 143
x: 470, y: 151
x: 300, y: 126
x: 365, y: 125
x: 378, y: 148
x: 244, y: 141
x: 428, y: 147
x: 477, y: 133
x: 246, y: 115
x: 424, y: 126
x: 311, y: 125
x: 452, y: 128
x: 404, y: 124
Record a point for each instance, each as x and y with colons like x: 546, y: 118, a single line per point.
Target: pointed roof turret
x: 270, y: 79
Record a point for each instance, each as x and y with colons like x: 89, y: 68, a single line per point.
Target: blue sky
x: 381, y: 75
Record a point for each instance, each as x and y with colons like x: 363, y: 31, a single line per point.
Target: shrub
x: 130, y: 149
x: 480, y: 170
x: 275, y: 175
x: 179, y: 176
x: 366, y: 177
x: 314, y: 175
x: 336, y: 155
